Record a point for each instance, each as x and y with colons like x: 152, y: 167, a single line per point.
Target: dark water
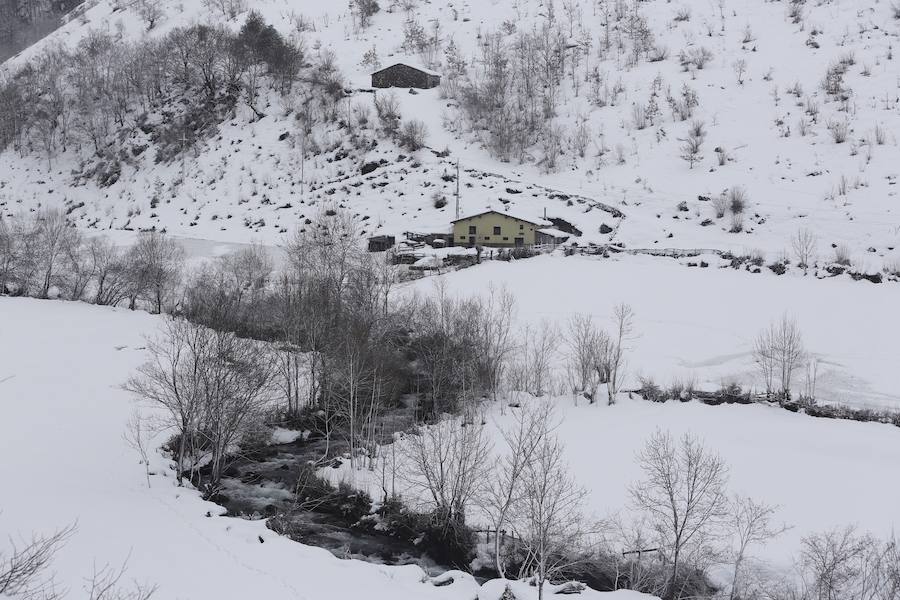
x: 263, y: 487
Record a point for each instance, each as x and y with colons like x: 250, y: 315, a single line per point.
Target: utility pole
x: 457, y: 188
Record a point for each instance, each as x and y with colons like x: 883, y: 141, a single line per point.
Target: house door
x: 520, y: 242
x: 471, y: 240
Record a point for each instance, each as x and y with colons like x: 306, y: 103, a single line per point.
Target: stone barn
x: 405, y: 76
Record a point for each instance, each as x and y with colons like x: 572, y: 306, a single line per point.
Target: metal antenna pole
x: 457, y: 188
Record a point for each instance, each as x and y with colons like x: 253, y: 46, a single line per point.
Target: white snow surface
x: 64, y: 461
x: 700, y: 323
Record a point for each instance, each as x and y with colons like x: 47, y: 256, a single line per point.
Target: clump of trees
x: 213, y: 386
x: 597, y: 357
x: 78, y: 99
x: 42, y: 254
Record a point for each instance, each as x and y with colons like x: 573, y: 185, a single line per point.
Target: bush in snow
x: 694, y: 57
x: 413, y: 135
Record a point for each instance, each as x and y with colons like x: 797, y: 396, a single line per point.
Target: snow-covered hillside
x: 246, y: 181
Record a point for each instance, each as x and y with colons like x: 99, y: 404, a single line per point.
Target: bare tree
x: 111, y: 277
x: 105, y: 583
x: 135, y: 435
x: 154, y: 265
x: 23, y: 572
x: 751, y: 525
x: 683, y: 494
x: 692, y: 149
x: 505, y: 488
x: 804, y: 244
x: 173, y: 379
x: 587, y: 352
x: 533, y: 370
x: 444, y: 465
x: 56, y: 240
x: 832, y: 563
x: 550, y: 523
x: 615, y: 359
x: 778, y: 352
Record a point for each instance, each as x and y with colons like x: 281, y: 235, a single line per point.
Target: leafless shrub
x: 105, y: 583
x: 895, y: 10
x: 892, y: 267
x: 751, y: 525
x: 737, y: 199
x: 682, y: 14
x: 740, y: 69
x: 778, y: 352
x: 387, y: 107
x: 532, y: 371
x: 804, y: 244
x: 413, y: 135
x: 24, y: 571
x: 880, y: 134
x: 639, y: 115
x: 692, y: 150
x: 737, y: 223
x: 227, y: 8
x: 720, y: 205
x: 658, y: 53
x: 694, y: 57
x: 722, y: 156
x: 803, y: 127
x: 839, y: 130
x: 136, y: 436
x: 747, y: 35
x: 833, y: 83
x: 842, y: 255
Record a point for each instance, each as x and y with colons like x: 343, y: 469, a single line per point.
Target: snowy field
x: 65, y: 462
x: 695, y: 323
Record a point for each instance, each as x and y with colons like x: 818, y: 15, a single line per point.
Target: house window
x: 487, y: 237
x: 506, y: 239
x: 471, y: 230
x: 521, y: 227
x: 497, y: 230
x: 462, y: 237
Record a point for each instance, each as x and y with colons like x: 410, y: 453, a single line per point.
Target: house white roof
x: 407, y: 63
x: 528, y: 219
x: 555, y: 232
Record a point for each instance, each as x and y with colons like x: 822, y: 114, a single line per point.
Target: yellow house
x: 496, y: 229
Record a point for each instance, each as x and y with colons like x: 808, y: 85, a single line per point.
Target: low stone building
x: 405, y: 76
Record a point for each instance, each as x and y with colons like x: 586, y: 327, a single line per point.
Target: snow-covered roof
x: 554, y: 232
x: 528, y: 219
x: 410, y: 64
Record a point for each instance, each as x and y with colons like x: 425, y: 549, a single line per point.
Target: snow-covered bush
x: 413, y: 135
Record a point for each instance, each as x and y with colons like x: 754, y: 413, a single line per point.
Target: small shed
x: 381, y: 243
x: 405, y: 76
x: 548, y: 235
